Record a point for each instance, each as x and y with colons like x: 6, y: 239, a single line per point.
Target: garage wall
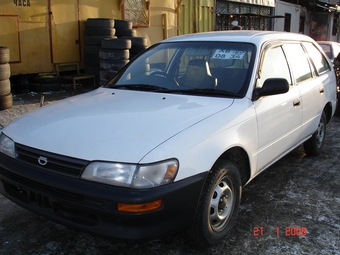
x: 196, y: 16
x: 281, y: 9
x: 40, y: 33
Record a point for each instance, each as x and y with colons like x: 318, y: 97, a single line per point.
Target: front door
x: 279, y: 117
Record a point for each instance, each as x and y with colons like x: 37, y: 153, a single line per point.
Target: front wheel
x: 314, y: 144
x: 219, y: 204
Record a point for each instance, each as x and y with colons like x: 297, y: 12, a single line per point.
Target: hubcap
x: 221, y: 204
x: 320, y: 133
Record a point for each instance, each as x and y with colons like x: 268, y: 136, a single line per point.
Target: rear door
x: 312, y: 74
x: 279, y: 116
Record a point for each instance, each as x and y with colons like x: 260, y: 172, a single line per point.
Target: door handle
x: 321, y: 90
x: 296, y: 102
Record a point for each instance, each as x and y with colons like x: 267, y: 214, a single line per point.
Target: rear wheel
x: 219, y: 204
x: 314, y: 144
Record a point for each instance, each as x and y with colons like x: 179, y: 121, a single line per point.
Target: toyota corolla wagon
x: 168, y: 143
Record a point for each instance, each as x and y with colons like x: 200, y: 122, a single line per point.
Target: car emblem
x: 42, y: 161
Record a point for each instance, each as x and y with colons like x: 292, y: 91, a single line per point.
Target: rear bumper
x: 91, y: 207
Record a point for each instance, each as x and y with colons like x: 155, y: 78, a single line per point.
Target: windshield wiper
x: 154, y: 88
x: 142, y: 87
x: 206, y: 91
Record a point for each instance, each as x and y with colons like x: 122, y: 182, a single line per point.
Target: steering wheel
x: 165, y: 75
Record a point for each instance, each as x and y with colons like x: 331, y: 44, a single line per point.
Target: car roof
x: 251, y: 36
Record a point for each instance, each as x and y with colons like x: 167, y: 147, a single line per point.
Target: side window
x: 327, y: 49
x: 336, y: 50
x: 138, y: 12
x: 274, y: 65
x: 299, y: 62
x: 320, y: 62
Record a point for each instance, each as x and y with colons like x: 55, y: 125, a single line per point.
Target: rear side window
x: 336, y: 49
x: 320, y: 62
x: 327, y: 49
x: 299, y: 62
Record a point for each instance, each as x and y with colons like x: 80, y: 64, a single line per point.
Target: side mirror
x: 271, y: 86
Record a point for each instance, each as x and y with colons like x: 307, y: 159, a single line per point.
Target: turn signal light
x: 140, y: 208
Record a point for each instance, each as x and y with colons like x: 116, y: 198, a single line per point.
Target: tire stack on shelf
x: 116, y: 53
x: 6, y: 99
x: 113, y: 56
x: 138, y: 45
x: 124, y: 30
x: 96, y: 30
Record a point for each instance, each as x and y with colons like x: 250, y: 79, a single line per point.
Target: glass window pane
x: 321, y: 64
x: 299, y: 62
x: 274, y: 66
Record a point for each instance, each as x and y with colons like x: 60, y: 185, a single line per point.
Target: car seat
x: 198, y: 75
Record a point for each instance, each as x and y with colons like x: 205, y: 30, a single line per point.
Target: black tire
x: 123, y: 24
x: 114, y: 54
x: 118, y: 44
x: 6, y: 101
x: 218, y: 205
x: 5, y: 87
x: 109, y: 64
x: 100, y: 22
x: 137, y: 41
x: 91, y: 59
x: 45, y: 87
x: 102, y: 75
x: 97, y: 40
x: 105, y: 75
x: 313, y: 145
x: 46, y: 79
x: 110, y: 74
x: 92, y: 49
x: 99, y: 31
x: 126, y: 32
x: 135, y: 50
x: 92, y: 70
x: 5, y: 71
x: 337, y: 109
x: 4, y: 55
x: 102, y: 83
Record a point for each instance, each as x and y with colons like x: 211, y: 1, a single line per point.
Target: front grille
x: 56, y: 163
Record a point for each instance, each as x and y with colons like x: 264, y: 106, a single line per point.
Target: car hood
x: 114, y: 125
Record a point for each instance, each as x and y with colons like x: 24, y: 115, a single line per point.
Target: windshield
x: 199, y: 68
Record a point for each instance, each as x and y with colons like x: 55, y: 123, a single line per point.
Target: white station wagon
x: 168, y: 143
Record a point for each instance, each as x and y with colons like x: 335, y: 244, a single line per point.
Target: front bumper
x: 92, y: 207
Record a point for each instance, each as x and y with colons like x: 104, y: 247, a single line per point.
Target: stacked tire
x: 96, y: 30
x: 113, y: 56
x: 124, y: 30
x: 138, y: 45
x: 45, y: 83
x: 6, y: 99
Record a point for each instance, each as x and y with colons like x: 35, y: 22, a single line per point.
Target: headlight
x: 7, y: 146
x: 134, y: 176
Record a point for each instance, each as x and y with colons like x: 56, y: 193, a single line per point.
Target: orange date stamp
x: 287, y: 231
